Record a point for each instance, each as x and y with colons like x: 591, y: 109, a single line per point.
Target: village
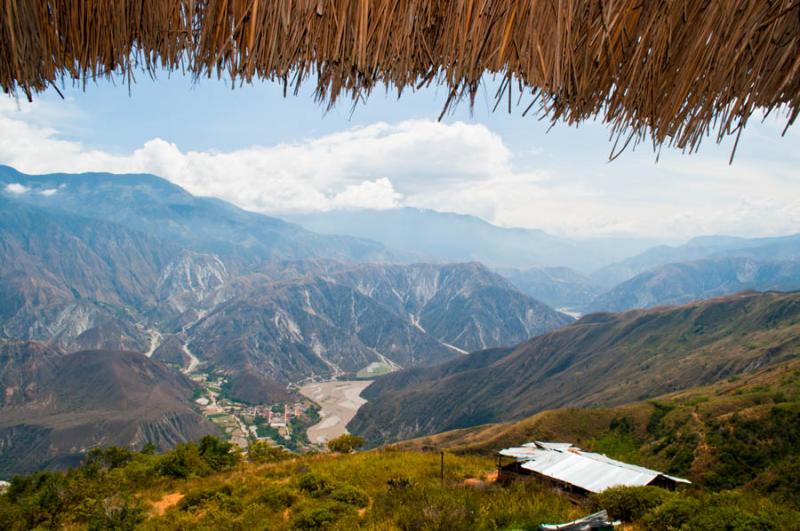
x: 282, y: 424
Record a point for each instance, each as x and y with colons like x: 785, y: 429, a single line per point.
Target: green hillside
x: 738, y: 440
x: 743, y: 432
x: 601, y: 360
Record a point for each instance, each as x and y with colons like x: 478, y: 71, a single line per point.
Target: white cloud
x: 456, y: 167
x: 378, y: 194
x: 17, y: 188
x: 47, y: 192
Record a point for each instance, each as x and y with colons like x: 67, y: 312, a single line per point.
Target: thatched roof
x: 669, y: 70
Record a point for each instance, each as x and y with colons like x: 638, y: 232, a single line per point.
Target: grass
x: 403, y: 491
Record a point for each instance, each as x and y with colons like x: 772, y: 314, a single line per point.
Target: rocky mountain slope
x: 603, y: 359
x: 463, y: 305
x: 56, y: 406
x: 343, y: 321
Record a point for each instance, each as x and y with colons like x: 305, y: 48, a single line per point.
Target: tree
x: 218, y: 454
x: 263, y: 452
x: 345, y: 444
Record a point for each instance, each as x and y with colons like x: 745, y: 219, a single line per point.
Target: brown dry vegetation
x: 667, y: 71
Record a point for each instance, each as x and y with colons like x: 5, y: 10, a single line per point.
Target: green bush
x: 351, y: 496
x: 217, y: 453
x: 197, y: 497
x: 781, y: 482
x: 630, y: 503
x: 263, y: 452
x: 314, y: 485
x: 184, y: 461
x: 345, y: 444
x: 672, y: 515
x: 118, y: 513
x: 318, y: 516
x: 278, y: 497
x: 729, y: 518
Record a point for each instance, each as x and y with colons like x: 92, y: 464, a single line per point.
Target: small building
x: 575, y: 471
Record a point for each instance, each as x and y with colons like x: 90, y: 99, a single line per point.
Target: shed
x: 575, y: 470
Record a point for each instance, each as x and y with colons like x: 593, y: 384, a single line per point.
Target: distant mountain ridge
x: 773, y: 248
x: 559, y: 287
x: 684, y: 282
x: 450, y: 237
x: 160, y: 209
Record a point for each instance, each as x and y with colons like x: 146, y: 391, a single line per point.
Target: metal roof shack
x: 571, y: 469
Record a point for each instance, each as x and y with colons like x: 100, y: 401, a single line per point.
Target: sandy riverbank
x: 340, y: 401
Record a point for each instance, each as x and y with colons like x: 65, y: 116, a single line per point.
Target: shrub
x: 346, y: 443
x: 319, y: 516
x: 120, y: 514
x: 263, y: 452
x: 313, y: 484
x: 278, y: 497
x: 184, y: 461
x: 630, y: 503
x: 672, y: 515
x: 351, y: 496
x: 110, y: 457
x: 195, y: 498
x: 217, y: 453
x: 780, y: 482
x: 730, y: 518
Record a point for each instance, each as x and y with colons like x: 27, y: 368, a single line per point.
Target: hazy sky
x: 272, y: 154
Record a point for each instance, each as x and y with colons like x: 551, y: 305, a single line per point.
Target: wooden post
x: 442, y: 467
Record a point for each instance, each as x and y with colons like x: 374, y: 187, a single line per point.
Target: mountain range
x: 152, y: 269
x: 602, y: 359
x: 450, y: 237
x: 776, y: 248
x: 109, y: 284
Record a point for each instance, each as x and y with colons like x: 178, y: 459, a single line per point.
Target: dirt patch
x: 485, y: 480
x: 170, y: 500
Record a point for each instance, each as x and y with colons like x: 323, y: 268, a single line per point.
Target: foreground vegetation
x: 737, y: 440
x: 209, y: 486
x: 205, y: 487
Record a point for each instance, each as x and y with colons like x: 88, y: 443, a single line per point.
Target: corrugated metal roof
x: 587, y: 470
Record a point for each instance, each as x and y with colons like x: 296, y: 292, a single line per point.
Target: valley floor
x: 340, y: 400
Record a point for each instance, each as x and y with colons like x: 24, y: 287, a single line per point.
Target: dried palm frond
x: 671, y: 71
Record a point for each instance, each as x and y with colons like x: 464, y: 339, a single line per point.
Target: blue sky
x: 273, y: 154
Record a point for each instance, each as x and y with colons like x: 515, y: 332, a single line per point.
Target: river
x: 339, y: 401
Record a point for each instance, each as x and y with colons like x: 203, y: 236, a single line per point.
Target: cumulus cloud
x: 459, y: 167
x: 17, y: 188
x: 378, y: 194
